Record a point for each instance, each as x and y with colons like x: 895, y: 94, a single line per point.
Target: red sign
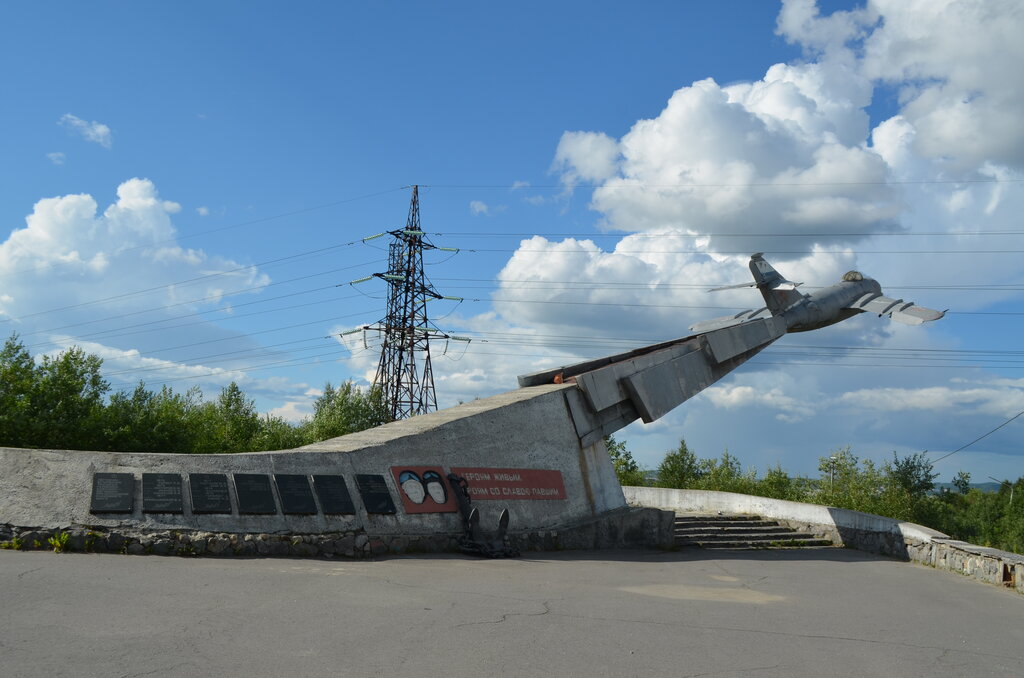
x: 423, y: 489
x: 512, y: 483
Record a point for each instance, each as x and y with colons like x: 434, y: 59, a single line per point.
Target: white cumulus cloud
x: 95, y: 132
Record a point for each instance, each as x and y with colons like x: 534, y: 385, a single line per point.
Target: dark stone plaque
x: 333, y: 495
x: 296, y: 497
x: 112, y: 493
x: 161, y: 493
x: 255, y: 495
x: 375, y: 493
x: 209, y: 493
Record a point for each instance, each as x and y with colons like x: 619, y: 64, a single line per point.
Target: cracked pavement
x: 691, y: 613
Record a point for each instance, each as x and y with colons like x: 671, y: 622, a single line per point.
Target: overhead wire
x: 326, y: 249
x: 115, y: 333
x: 304, y: 210
x: 998, y: 287
x: 979, y: 438
x: 769, y: 184
x: 747, y: 234
x: 573, y: 346
x: 253, y: 368
x: 743, y: 252
x: 109, y: 333
x: 157, y: 288
x: 213, y: 297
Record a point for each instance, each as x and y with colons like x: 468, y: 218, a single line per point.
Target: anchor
x: 474, y: 540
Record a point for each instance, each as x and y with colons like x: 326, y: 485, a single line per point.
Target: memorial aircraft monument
x: 534, y: 456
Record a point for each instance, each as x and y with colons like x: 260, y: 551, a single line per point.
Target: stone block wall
x: 624, y: 528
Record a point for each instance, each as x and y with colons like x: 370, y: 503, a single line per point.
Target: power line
x: 749, y: 234
x: 959, y: 449
x: 744, y: 252
x: 160, y: 324
x: 214, y: 297
x: 573, y: 344
x: 250, y: 267
x: 769, y: 184
x: 658, y: 286
x: 255, y: 368
x: 111, y: 334
x: 246, y: 354
x: 631, y: 305
x: 250, y: 222
x: 323, y: 250
x: 282, y: 215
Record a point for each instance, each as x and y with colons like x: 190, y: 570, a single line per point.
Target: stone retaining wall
x: 623, y: 528
x: 852, y: 529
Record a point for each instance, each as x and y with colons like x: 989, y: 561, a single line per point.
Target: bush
x: 627, y: 470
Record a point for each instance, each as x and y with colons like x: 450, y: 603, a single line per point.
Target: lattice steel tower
x: 407, y: 389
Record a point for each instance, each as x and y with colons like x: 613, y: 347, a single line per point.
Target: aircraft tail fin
x: 779, y: 294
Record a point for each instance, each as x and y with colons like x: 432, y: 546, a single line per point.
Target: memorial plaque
x: 333, y: 495
x: 423, y: 489
x: 375, y: 493
x: 209, y: 493
x: 296, y: 496
x: 161, y: 493
x: 112, y: 493
x: 255, y: 495
x: 513, y: 483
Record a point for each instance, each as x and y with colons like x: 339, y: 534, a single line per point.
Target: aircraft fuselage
x: 828, y: 306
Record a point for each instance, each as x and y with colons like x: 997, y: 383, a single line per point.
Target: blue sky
x: 180, y: 184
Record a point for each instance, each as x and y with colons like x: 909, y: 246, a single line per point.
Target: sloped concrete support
x: 649, y: 383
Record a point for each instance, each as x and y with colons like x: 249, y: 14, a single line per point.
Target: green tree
x: 277, y: 434
x: 914, y: 473
x: 237, y: 422
x: 144, y: 421
x: 778, y: 484
x: 725, y: 474
x: 17, y: 375
x: 65, y: 401
x: 679, y: 469
x: 627, y: 470
x: 962, y: 482
x: 343, y: 410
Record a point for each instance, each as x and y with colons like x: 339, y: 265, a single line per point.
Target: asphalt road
x: 827, y: 612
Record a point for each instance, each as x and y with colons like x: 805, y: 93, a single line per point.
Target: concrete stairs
x: 739, y: 532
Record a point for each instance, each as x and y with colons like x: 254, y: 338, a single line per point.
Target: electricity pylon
x: 406, y: 389
x: 404, y: 374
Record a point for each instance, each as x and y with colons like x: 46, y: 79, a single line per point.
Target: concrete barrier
x: 852, y: 529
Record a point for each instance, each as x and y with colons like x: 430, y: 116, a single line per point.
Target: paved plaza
x: 816, y: 612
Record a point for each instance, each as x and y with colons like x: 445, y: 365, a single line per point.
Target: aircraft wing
x: 901, y: 311
x: 730, y: 320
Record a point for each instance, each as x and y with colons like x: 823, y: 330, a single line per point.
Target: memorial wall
x: 518, y: 450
